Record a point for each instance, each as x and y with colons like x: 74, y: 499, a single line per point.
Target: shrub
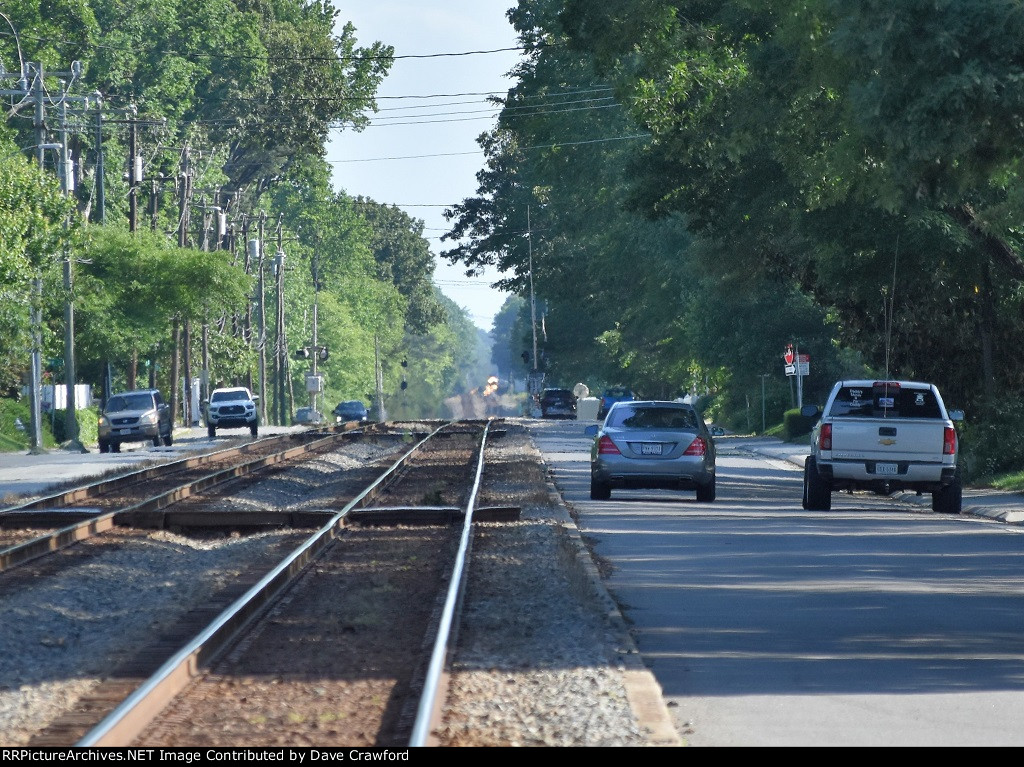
x: 88, y: 432
x: 15, y: 426
x: 991, y: 443
x: 795, y: 425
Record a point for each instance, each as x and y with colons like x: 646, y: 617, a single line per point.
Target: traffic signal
x: 324, y: 354
x: 302, y: 354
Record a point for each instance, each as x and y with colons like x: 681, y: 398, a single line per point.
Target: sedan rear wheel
x: 706, y: 493
x: 599, y: 491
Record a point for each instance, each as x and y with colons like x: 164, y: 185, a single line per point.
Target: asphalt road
x: 879, y: 623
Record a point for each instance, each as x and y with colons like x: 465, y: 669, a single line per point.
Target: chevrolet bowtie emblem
x: 886, y: 442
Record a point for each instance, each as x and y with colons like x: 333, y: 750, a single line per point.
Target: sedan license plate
x: 886, y: 468
x: 650, y: 448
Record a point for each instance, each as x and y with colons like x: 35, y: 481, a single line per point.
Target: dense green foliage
x: 709, y: 182
x: 229, y: 105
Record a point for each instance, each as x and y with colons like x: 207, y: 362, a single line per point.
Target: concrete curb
x: 645, y: 695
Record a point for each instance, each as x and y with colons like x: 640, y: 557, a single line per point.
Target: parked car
x: 557, y: 403
x: 308, y: 415
x: 135, y: 416
x: 351, y: 410
x: 232, y: 407
x: 652, y: 444
x: 612, y: 395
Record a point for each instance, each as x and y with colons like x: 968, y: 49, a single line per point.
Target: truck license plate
x: 650, y: 448
x: 886, y: 468
x: 124, y: 431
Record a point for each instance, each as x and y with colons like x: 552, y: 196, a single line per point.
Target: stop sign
x: 789, y: 356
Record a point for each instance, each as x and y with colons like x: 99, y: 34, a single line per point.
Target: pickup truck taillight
x: 949, y: 441
x: 697, y: 447
x: 825, y: 437
x: 607, y: 447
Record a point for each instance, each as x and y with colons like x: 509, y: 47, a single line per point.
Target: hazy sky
x: 433, y: 140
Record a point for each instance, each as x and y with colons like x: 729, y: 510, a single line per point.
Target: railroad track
x: 44, y: 525
x: 349, y: 608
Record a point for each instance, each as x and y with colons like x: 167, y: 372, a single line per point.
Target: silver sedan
x: 652, y: 444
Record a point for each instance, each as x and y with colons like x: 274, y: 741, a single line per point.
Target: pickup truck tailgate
x: 895, y: 439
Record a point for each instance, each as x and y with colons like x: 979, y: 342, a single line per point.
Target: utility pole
x: 261, y: 307
x: 101, y: 197
x: 70, y: 376
x: 315, y: 264
x: 381, y: 414
x: 533, y: 300
x: 183, y: 201
x: 281, y: 346
x: 134, y: 172
x: 763, y: 376
x: 36, y: 374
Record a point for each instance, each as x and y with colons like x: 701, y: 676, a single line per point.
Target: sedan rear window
x: 633, y: 417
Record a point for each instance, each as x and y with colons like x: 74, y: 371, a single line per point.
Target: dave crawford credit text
x: 188, y: 756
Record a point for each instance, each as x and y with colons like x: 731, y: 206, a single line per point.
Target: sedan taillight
x: 697, y: 447
x: 949, y: 441
x: 825, y: 437
x: 606, y: 446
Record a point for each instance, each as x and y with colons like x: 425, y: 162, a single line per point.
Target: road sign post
x: 798, y: 365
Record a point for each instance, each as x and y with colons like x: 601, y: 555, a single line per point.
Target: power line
x: 225, y: 56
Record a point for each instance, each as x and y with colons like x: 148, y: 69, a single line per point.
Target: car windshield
x: 120, y: 402
x: 559, y: 394
x: 616, y: 392
x: 632, y: 417
x: 226, y: 396
x: 885, y: 402
x: 351, y: 407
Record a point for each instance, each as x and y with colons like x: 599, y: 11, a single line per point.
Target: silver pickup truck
x: 883, y: 436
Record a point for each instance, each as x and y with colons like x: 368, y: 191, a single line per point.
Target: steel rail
x: 428, y: 712
x: 132, y: 715
x: 105, y: 485
x: 20, y: 553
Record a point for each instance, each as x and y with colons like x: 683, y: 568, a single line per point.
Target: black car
x: 612, y: 395
x: 351, y: 410
x: 557, y: 403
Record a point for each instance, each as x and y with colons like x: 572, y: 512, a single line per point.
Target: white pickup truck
x: 883, y: 436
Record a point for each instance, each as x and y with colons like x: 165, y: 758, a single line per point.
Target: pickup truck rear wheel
x: 817, y: 492
x: 949, y: 498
